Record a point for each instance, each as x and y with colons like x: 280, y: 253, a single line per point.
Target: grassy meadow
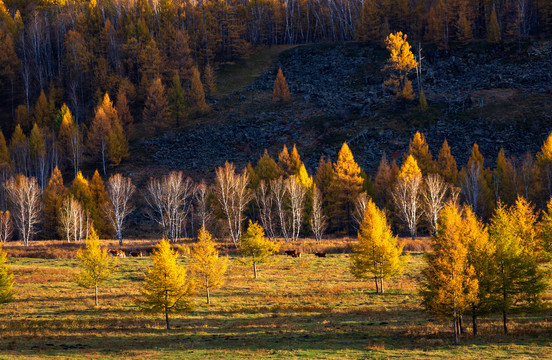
x: 305, y: 307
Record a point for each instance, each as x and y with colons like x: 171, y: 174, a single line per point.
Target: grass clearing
x: 305, y: 307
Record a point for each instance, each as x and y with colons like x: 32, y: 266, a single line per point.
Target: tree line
x: 279, y: 193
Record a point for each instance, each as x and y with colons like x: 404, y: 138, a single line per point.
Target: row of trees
x: 168, y: 286
x: 472, y: 269
x: 281, y: 195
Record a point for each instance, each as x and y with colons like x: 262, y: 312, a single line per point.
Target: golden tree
x: 346, y: 186
x: 117, y: 144
x: 517, y: 282
x: 544, y: 160
x: 197, y: 94
x: 255, y: 247
x: 6, y: 279
x: 96, y: 264
x: 448, y: 285
x: 446, y: 164
x: 207, y: 264
x: 52, y: 199
x: 419, y: 149
x: 378, y: 254
x: 480, y: 252
x: 166, y: 287
x: 400, y: 63
x: 281, y: 90
x: 156, y: 107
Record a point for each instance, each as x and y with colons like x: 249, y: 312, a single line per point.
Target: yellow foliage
x: 166, y: 287
x: 400, y: 63
x: 6, y: 279
x: 304, y: 178
x: 448, y: 285
x: 378, y: 253
x: 419, y: 149
x: 206, y: 263
x: 409, y: 169
x: 256, y: 248
x: 96, y: 264
x: 281, y: 90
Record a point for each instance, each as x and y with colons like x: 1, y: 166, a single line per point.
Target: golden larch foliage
x: 53, y: 197
x: 281, y: 90
x: 206, y: 263
x: 449, y: 285
x: 96, y: 265
x: 167, y: 288
x: 400, y: 63
x: 6, y: 279
x: 419, y: 149
x: 409, y: 169
x: 446, y: 164
x: 255, y: 247
x: 378, y: 253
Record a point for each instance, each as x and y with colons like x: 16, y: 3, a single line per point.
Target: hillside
x: 494, y: 97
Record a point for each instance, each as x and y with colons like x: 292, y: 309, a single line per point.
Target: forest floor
x: 305, y: 307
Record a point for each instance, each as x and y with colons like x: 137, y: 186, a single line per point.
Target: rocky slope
x: 474, y: 96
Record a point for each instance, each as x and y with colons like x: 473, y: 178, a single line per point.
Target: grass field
x: 304, y: 307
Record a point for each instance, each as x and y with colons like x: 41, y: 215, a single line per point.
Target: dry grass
x: 299, y: 307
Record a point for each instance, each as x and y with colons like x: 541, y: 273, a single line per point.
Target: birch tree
x: 233, y: 196
x: 25, y: 197
x: 119, y: 191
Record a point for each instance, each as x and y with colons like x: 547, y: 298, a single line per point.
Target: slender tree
x: 255, y: 247
x: 167, y: 288
x: 96, y: 265
x: 206, y: 263
x: 119, y: 192
x: 378, y: 253
x: 281, y: 90
x: 25, y: 195
x: 449, y: 285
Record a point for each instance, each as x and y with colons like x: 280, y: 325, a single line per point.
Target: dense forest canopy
x: 77, y: 51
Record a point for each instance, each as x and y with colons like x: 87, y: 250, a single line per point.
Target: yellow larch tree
x: 400, y: 63
x: 480, y: 251
x: 206, y: 263
x: 6, y: 279
x: 96, y: 265
x: 446, y: 164
x: 419, y: 149
x: 345, y: 188
x: 281, y: 90
x: 544, y: 160
x: 52, y: 198
x: 167, y: 288
x: 255, y: 247
x: 378, y: 253
x: 448, y: 286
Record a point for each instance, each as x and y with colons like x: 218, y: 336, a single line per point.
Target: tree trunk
x: 377, y: 284
x: 167, y: 318
x: 96, y: 295
x: 207, y: 288
x: 255, y: 269
x: 505, y: 321
x: 474, y: 321
x: 455, y: 325
x: 460, y: 329
x: 120, y: 236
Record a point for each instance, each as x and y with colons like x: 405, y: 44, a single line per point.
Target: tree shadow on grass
x: 278, y: 332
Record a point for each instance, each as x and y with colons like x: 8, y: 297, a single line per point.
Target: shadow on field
x: 279, y: 332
